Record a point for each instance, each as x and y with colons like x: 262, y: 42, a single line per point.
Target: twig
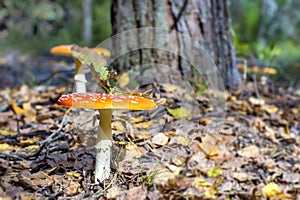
x: 52, y: 75
x: 24, y: 135
x: 128, y: 126
x: 10, y: 155
x: 110, y: 183
x: 255, y: 86
x: 61, y: 126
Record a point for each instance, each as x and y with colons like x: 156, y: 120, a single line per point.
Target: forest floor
x: 168, y: 153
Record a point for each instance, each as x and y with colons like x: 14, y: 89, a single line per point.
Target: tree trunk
x: 205, y: 21
x: 87, y: 21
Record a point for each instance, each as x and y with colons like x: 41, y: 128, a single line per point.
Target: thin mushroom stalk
x: 103, y: 146
x: 105, y: 103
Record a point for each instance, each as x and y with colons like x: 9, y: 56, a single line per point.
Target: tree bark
x: 205, y: 21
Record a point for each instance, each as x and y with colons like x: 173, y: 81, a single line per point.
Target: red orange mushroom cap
x: 106, y: 101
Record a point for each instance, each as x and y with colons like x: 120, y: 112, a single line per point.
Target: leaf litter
x: 169, y: 153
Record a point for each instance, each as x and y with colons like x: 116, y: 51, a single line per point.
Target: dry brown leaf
x: 136, y: 193
x: 160, y: 139
x: 145, y: 124
x: 270, y: 109
x: 256, y: 102
x: 240, y: 176
x: 73, y: 188
x: 123, y: 79
x: 113, y: 192
x: 205, y: 121
x: 208, y: 145
x: 249, y: 152
x: 18, y: 110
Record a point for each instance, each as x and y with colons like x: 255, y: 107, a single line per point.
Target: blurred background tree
x: 265, y: 31
x: 37, y: 25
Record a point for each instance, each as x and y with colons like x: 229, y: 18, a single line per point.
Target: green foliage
x: 35, y: 25
x: 148, y: 179
x: 268, y: 31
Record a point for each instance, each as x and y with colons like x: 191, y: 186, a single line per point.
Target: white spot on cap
x: 133, y: 101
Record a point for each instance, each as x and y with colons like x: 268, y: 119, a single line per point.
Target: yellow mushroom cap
x: 66, y: 50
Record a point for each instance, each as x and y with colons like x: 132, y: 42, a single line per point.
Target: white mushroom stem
x: 80, y: 83
x: 103, y: 146
x: 80, y: 80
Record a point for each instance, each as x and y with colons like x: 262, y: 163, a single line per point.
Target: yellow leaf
x: 211, y: 193
x: 271, y: 190
x: 6, y: 132
x: 123, y: 79
x: 270, y: 109
x: 200, y: 183
x: 180, y: 112
x: 32, y: 147
x: 143, y: 124
x: 208, y: 145
x: 214, y: 172
x: 256, y: 102
x: 18, y: 110
x: 135, y: 120
x: 169, y: 87
x: 182, y: 140
x: 6, y: 148
x: 75, y: 174
x: 143, y: 135
x: 117, y: 125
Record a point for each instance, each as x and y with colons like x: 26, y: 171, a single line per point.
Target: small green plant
x: 148, y: 179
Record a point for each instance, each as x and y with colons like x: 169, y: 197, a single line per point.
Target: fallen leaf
x: 180, y: 113
x: 249, y: 152
x: 145, y: 124
x: 200, y: 183
x: 6, y: 148
x: 72, y: 188
x: 136, y: 193
x: 210, y: 193
x: 208, y: 145
x: 270, y: 109
x: 179, y: 139
x: 214, y: 172
x: 205, y: 121
x: 18, y: 110
x: 160, y: 139
x: 271, y: 190
x: 123, y: 79
x: 240, y: 176
x: 32, y: 147
x: 256, y: 102
x: 113, y: 192
x: 73, y: 173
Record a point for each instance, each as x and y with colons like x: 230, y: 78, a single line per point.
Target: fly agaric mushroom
x: 80, y: 80
x: 105, y: 103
